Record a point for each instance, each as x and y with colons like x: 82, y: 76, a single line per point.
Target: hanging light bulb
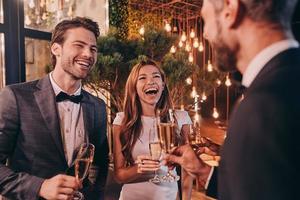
x: 191, y: 58
x: 27, y: 20
x: 42, y: 3
x: 188, y: 47
x: 175, y: 29
x: 173, y: 49
x: 183, y: 37
x: 203, y: 96
x: 194, y: 92
x: 44, y: 16
x: 168, y: 27
x: 180, y: 44
x: 31, y: 4
x: 215, y: 113
x: 219, y: 82
x: 38, y: 20
x: 209, y: 66
x: 196, y: 43
x: 227, y: 82
x: 70, y: 12
x: 142, y: 30
x: 59, y: 15
x: 201, y: 48
x: 192, y: 33
x: 189, y: 80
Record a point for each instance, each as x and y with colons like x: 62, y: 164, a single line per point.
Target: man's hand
x: 60, y: 187
x: 186, y: 157
x: 208, y: 147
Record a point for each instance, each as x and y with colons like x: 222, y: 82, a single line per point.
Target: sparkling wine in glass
x: 167, y: 138
x: 83, y: 161
x: 155, y: 152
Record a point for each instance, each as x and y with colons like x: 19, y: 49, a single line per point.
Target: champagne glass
x: 195, y: 138
x: 167, y: 138
x: 83, y: 161
x: 155, y: 152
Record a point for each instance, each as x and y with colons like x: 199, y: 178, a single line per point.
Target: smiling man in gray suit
x: 44, y: 121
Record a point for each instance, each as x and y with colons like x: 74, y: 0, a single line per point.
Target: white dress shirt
x: 263, y: 57
x: 71, y: 122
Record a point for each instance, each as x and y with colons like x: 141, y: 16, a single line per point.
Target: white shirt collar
x: 263, y: 57
x: 57, y: 89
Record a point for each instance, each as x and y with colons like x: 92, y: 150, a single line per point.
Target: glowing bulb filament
x: 215, y: 113
x: 142, y: 30
x: 209, y: 66
x: 201, y: 48
x: 227, y: 82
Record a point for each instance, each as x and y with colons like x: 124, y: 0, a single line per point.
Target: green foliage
x: 178, y: 69
x: 156, y: 43
x: 139, y: 18
x: 118, y: 17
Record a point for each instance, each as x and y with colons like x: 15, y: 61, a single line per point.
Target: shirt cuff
x: 209, y: 177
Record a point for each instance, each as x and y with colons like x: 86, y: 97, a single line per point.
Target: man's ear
x: 56, y: 49
x: 232, y: 13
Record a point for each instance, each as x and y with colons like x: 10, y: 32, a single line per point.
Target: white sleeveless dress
x: 143, y: 189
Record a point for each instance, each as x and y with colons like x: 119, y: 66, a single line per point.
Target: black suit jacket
x: 261, y: 151
x: 30, y: 138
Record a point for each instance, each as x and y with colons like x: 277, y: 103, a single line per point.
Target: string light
x: 180, y: 44
x: 188, y: 47
x: 70, y: 12
x: 203, y: 97
x: 27, y: 20
x: 228, y: 82
x: 189, y: 80
x: 173, y: 49
x: 209, y: 66
x: 196, y: 43
x: 31, y: 4
x: 192, y: 34
x: 191, y: 58
x: 218, y: 82
x: 194, y: 92
x: 215, y: 113
x: 201, y: 48
x: 142, y: 30
x: 168, y: 27
x: 183, y: 37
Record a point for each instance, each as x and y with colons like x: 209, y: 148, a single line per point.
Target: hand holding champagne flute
x: 83, y: 161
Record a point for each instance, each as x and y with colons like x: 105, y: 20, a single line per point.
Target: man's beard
x: 226, y: 58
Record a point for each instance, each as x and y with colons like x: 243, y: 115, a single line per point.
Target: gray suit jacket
x: 30, y: 139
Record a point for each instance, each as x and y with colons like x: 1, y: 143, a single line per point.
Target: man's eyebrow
x: 82, y: 42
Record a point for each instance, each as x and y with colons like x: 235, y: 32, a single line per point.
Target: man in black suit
x: 43, y: 122
x: 259, y: 159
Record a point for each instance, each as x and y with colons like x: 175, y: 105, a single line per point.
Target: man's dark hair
x: 58, y: 34
x: 277, y: 12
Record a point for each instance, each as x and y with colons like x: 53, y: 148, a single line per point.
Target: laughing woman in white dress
x: 145, y: 93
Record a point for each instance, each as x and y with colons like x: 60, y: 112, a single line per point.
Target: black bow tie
x: 74, y: 98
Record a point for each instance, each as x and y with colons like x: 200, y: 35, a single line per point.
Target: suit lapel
x: 88, y: 109
x: 45, y: 99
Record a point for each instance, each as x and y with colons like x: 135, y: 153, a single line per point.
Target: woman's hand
x: 146, y: 164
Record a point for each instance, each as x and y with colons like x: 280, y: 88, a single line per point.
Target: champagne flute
x: 195, y: 138
x: 83, y: 161
x: 155, y: 152
x: 167, y: 137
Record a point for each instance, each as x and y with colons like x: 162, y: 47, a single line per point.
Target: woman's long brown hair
x: 132, y: 123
